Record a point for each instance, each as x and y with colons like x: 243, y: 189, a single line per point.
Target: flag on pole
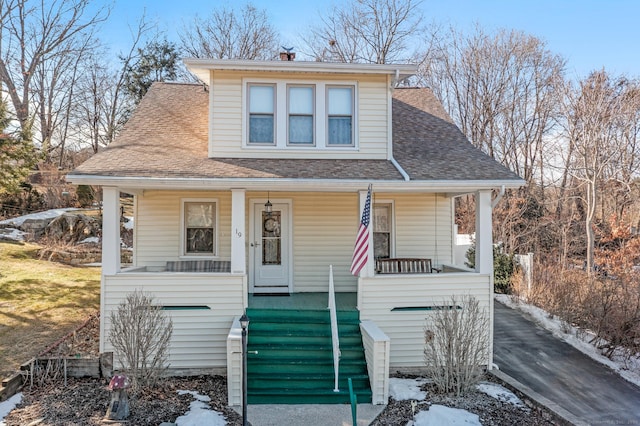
x: 361, y: 247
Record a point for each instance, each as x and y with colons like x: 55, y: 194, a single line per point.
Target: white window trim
x: 281, y: 115
x: 248, y: 114
x: 392, y: 237
x: 183, y: 228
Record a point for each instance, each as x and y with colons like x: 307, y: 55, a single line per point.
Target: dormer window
x: 262, y: 122
x: 301, y: 106
x: 340, y: 116
x: 300, y: 115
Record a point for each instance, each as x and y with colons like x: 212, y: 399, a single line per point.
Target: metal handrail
x: 334, y: 330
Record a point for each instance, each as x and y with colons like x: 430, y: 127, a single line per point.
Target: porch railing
x: 334, y: 330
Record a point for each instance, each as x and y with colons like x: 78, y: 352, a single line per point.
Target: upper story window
x: 300, y: 114
x: 340, y: 116
x: 199, y: 233
x: 262, y: 118
x: 301, y: 106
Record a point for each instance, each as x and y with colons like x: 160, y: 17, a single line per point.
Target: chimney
x: 287, y: 55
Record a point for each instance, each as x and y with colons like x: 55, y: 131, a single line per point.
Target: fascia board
x: 310, y: 185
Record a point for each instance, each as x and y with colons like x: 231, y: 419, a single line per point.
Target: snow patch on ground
x: 12, y: 234
x: 128, y: 223
x: 90, y: 240
x: 439, y: 415
x: 406, y: 389
x: 500, y: 393
x: 629, y: 370
x: 49, y: 214
x: 7, y: 406
x: 200, y: 413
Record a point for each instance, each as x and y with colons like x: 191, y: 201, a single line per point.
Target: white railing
x: 334, y: 330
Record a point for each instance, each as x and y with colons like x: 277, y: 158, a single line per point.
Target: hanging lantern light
x: 268, y: 207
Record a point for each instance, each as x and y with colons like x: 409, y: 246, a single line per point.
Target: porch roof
x: 166, y: 139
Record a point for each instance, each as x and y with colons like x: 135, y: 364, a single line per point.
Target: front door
x: 270, y: 249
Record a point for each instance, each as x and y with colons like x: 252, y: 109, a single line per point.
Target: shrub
x: 503, y: 268
x: 140, y: 335
x: 457, y: 344
x: 86, y: 195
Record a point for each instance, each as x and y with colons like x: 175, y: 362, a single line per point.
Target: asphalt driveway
x: 585, y: 388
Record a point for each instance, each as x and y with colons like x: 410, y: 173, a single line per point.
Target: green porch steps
x: 294, y: 359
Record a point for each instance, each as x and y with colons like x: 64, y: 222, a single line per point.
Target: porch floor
x: 344, y: 301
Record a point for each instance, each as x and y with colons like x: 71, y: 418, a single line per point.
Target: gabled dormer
x: 295, y: 109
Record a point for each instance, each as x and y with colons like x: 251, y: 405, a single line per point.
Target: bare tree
x: 104, y: 105
x: 55, y: 95
x: 502, y: 91
x: 227, y: 34
x: 33, y: 34
x: 370, y: 31
x: 595, y: 124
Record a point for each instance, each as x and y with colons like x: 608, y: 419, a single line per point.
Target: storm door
x: 270, y: 249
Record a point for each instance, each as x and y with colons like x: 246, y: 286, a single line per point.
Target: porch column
x: 484, y: 237
x: 110, y: 230
x: 484, y: 255
x: 238, y: 238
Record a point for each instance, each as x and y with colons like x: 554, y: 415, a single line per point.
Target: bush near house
x: 503, y: 268
x: 456, y: 344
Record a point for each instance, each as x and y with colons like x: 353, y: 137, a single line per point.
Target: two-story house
x: 249, y: 186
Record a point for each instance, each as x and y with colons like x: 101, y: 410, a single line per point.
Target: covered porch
x: 206, y: 296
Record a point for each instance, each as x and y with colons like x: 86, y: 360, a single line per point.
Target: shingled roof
x: 429, y: 146
x: 167, y: 137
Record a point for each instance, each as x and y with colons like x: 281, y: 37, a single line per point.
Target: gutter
x: 283, y: 184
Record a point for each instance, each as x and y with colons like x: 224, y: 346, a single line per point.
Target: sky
x: 589, y: 34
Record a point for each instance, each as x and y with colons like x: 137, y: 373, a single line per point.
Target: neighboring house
x: 205, y: 163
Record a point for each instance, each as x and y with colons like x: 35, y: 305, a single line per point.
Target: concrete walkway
x: 310, y: 415
x: 585, y: 388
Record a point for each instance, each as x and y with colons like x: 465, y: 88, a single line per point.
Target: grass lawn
x: 40, y: 302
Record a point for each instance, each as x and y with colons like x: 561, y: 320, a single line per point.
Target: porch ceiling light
x: 268, y: 206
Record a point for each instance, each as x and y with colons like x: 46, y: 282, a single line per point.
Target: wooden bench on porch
x: 199, y: 266
x: 404, y: 266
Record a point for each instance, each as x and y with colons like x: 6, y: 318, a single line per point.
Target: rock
x: 72, y: 228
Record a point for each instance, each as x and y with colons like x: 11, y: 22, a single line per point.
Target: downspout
x: 495, y: 202
x: 393, y: 161
x: 404, y: 174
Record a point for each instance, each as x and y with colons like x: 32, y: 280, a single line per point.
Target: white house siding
x: 324, y: 229
x: 158, y: 225
x: 423, y: 226
x: 377, y: 296
x: 199, y: 336
x: 226, y: 127
x: 325, y: 225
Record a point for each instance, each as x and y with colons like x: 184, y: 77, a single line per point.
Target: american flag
x: 361, y: 247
